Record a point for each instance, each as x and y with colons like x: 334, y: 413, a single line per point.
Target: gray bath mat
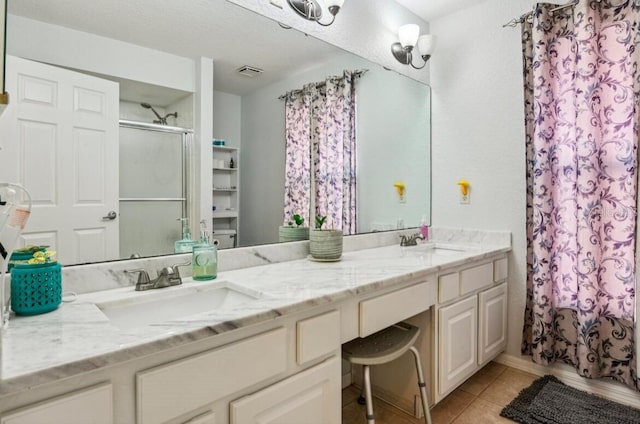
x: 548, y: 401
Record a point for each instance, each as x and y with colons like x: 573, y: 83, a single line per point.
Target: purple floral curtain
x: 297, y: 173
x: 325, y: 117
x: 581, y: 114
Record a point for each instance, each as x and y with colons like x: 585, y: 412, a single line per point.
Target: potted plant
x: 325, y: 245
x: 291, y: 233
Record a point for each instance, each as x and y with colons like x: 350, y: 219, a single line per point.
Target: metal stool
x: 380, y: 348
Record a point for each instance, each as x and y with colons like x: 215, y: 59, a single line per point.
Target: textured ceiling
x: 432, y: 9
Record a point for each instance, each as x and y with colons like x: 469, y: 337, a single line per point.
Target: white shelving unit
x: 226, y: 195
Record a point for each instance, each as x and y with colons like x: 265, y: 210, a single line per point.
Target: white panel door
x: 310, y: 397
x: 60, y: 140
x: 492, y: 323
x: 458, y: 326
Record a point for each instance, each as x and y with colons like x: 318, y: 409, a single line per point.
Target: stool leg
x: 422, y: 385
x: 367, y: 394
x: 361, y: 398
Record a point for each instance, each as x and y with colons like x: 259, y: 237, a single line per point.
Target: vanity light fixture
x: 312, y: 11
x: 410, y: 38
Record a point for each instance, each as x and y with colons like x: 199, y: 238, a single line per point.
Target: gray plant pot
x: 325, y: 244
x: 287, y: 233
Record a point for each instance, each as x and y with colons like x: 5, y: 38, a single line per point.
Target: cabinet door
x: 492, y: 322
x: 457, y: 346
x: 310, y: 397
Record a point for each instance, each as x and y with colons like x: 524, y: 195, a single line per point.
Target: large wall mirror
x: 392, y: 117
x: 3, y: 25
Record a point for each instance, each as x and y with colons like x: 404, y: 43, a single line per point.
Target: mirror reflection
x: 131, y: 63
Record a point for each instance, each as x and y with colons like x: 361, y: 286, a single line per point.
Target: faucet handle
x: 176, y: 270
x: 143, y: 276
x: 167, y: 271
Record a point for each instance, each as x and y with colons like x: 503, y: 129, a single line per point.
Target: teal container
x: 36, y: 289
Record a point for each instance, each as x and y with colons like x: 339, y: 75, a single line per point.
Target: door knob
x: 110, y: 216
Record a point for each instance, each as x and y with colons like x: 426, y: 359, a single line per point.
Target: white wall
x: 227, y: 110
x: 388, y: 150
x: 364, y: 27
x: 62, y: 46
x: 478, y: 132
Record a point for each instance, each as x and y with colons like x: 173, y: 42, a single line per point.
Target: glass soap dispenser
x: 186, y: 244
x: 205, y: 256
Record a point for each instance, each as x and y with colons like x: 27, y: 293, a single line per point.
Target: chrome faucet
x: 410, y: 240
x: 167, y: 277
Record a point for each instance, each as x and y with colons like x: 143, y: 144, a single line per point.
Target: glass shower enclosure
x: 154, y: 175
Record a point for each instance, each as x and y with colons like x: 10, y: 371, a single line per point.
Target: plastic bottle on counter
x: 424, y: 228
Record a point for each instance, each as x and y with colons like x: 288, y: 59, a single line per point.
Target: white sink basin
x: 161, y: 305
x: 436, y: 249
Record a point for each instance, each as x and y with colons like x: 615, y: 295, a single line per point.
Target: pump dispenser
x: 186, y: 244
x: 424, y: 228
x: 205, y: 256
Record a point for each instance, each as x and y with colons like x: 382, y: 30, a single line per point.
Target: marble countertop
x: 78, y: 337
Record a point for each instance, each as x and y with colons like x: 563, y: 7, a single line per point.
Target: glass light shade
x: 408, y: 34
x: 337, y: 3
x: 426, y: 44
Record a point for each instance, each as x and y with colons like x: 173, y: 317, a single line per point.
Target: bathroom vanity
x: 270, y: 349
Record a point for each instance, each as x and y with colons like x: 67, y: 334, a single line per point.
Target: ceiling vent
x: 249, y: 71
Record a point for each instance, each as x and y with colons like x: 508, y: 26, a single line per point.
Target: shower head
x: 160, y: 119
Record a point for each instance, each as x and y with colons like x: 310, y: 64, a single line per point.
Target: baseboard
x: 611, y: 390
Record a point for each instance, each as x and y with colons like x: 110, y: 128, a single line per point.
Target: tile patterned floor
x: 478, y: 401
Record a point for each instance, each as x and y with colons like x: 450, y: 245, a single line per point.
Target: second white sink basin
x: 435, y: 248
x: 162, y: 305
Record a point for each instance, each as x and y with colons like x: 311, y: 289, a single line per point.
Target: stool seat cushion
x: 383, y: 346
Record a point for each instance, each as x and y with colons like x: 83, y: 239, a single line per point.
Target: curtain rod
x: 515, y: 21
x: 356, y: 74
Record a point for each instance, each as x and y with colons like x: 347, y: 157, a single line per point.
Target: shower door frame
x: 187, y: 146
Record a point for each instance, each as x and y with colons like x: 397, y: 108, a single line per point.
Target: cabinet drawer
x: 476, y: 278
x: 309, y: 397
x: 317, y: 336
x: 93, y: 405
x: 160, y: 393
x: 448, y: 287
x: 382, y: 311
x: 500, y: 269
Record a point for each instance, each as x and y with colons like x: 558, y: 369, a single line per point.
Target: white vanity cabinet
x: 471, y: 322
x: 275, y: 374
